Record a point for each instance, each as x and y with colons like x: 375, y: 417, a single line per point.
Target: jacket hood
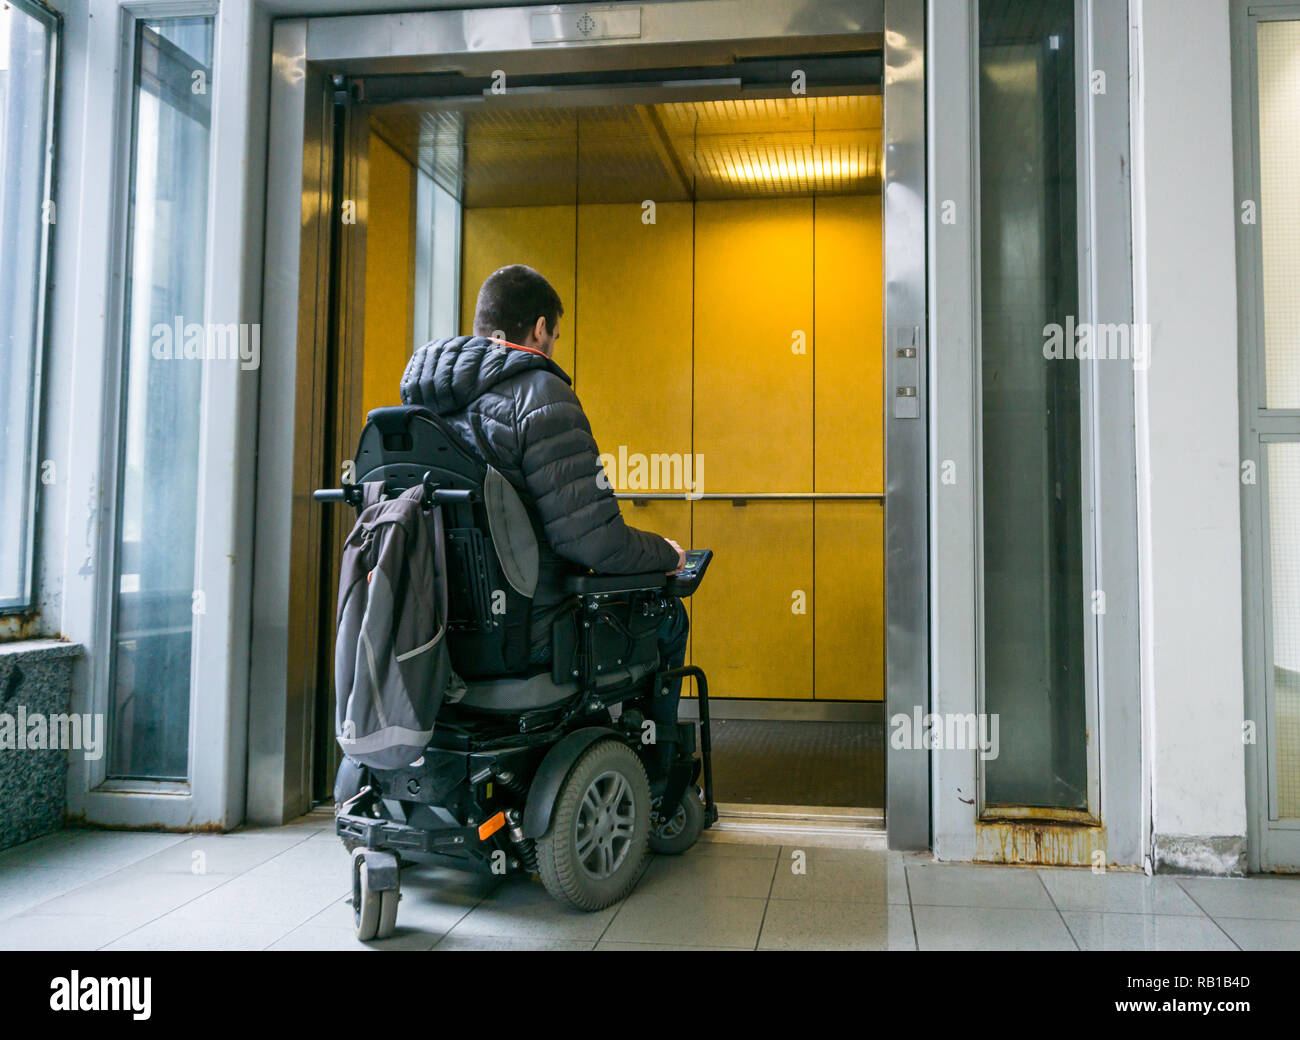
x: 447, y: 374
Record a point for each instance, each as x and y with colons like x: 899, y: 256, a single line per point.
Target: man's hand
x: 681, y: 557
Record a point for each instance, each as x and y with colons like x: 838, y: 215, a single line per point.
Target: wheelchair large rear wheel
x: 592, y: 853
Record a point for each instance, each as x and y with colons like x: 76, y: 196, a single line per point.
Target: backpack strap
x: 455, y: 688
x: 440, y: 564
x: 438, y: 534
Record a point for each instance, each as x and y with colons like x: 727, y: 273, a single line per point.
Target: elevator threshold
x: 811, y: 825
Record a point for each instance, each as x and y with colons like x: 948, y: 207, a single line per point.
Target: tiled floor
x: 286, y: 888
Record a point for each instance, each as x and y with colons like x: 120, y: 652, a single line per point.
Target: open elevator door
x: 581, y: 72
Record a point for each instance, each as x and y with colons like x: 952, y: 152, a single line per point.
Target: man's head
x: 518, y: 304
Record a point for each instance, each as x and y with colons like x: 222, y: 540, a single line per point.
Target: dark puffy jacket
x: 516, y: 410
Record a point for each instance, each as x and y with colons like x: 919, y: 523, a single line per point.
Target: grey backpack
x: 392, y: 669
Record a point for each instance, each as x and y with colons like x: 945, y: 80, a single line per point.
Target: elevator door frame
x: 1118, y: 795
x: 307, y: 53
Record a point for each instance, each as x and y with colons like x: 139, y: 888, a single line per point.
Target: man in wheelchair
x: 563, y: 755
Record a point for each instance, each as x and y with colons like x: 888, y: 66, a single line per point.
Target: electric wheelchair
x: 556, y: 769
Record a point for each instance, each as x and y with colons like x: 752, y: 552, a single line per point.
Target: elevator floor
x: 767, y: 762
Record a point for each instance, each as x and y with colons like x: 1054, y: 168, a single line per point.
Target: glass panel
x: 163, y: 372
x: 25, y: 45
x: 437, y: 251
x: 1284, y: 559
x: 1033, y: 550
x: 1279, y: 175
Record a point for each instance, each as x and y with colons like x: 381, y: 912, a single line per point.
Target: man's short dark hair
x: 510, y: 302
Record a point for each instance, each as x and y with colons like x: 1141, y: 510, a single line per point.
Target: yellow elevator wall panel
x: 670, y: 520
x: 539, y: 236
x: 849, y: 615
x: 634, y: 323
x: 627, y: 291
x: 753, y: 310
x: 390, y: 276
x: 849, y: 414
x: 753, y: 613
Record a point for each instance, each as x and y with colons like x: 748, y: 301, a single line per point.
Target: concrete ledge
x: 35, y: 693
x: 1223, y: 856
x: 50, y: 649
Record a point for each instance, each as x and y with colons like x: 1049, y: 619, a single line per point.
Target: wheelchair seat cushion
x: 531, y: 692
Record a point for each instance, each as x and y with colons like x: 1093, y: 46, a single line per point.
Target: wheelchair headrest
x: 396, y: 418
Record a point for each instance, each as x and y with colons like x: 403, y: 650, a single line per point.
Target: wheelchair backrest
x: 492, y: 539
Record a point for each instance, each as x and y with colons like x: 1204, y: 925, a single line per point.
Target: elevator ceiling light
x: 672, y: 152
x: 776, y: 170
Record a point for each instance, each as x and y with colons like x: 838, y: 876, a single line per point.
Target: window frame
x: 1272, y: 841
x: 1089, y: 420
x: 132, y: 16
x: 53, y: 22
x: 955, y: 524
x: 116, y: 445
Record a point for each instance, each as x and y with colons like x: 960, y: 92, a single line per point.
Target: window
x: 1272, y: 402
x: 27, y: 55
x: 1279, y: 149
x: 1034, y: 603
x: 164, y: 354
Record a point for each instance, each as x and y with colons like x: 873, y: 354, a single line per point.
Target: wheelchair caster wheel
x: 592, y: 853
x: 376, y: 890
x: 674, y: 836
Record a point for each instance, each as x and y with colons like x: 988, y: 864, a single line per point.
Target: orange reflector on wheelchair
x: 490, y: 826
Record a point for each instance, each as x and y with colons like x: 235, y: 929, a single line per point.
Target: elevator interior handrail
x: 770, y: 496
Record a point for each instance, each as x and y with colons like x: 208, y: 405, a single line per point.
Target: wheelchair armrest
x: 586, y: 584
x: 688, y: 580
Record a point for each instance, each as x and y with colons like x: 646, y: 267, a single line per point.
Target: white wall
x: 1190, y: 538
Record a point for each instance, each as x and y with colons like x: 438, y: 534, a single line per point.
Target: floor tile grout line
x: 767, y: 903
x: 167, y: 913
x: 184, y: 840
x: 105, y: 877
x: 992, y: 906
x: 650, y: 861
x: 1196, y: 903
x: 1052, y: 899
x: 97, y: 877
x: 68, y: 836
x: 214, y: 888
x: 460, y: 920
x: 911, y: 908
x: 347, y: 898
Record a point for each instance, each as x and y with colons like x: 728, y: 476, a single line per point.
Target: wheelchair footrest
x: 398, y: 837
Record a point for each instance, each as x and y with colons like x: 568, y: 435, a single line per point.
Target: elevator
x: 719, y: 260
x: 732, y: 214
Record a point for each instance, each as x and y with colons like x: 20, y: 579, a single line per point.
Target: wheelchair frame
x: 484, y: 792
